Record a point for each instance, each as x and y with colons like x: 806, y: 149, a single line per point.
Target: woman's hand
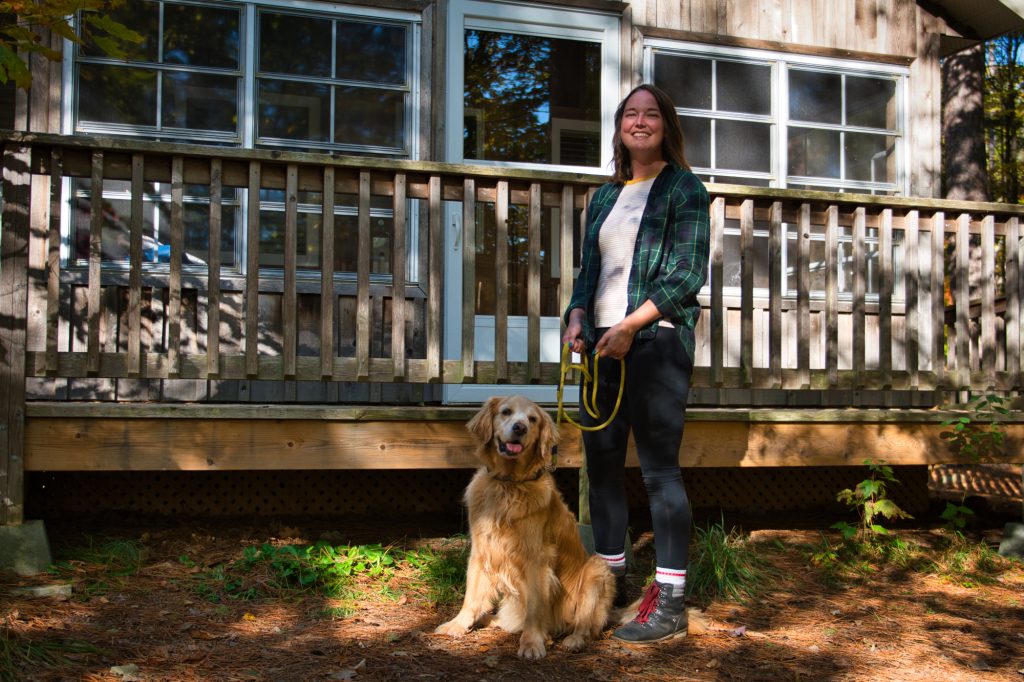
x: 616, y: 342
x: 574, y: 330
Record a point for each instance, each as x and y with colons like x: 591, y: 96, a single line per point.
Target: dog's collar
x: 508, y: 478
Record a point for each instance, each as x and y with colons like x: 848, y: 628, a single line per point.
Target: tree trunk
x: 963, y: 118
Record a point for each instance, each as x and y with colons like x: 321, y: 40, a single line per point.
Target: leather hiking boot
x: 662, y: 615
x: 621, y: 600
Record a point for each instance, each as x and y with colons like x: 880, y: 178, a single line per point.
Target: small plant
x: 443, y: 571
x: 869, y: 500
x: 956, y: 516
x: 980, y: 436
x: 724, y: 565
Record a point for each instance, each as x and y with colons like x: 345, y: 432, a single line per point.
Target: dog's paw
x: 531, y: 647
x: 575, y: 642
x: 452, y: 628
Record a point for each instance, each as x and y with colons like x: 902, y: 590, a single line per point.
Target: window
x: 781, y: 120
x: 247, y: 74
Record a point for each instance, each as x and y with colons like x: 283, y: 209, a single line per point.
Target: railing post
x: 13, y: 320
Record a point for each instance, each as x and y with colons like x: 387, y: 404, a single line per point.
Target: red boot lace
x: 650, y: 600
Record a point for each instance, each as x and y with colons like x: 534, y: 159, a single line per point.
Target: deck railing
x: 808, y: 290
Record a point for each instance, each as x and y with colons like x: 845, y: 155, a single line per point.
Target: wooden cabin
x: 301, y: 241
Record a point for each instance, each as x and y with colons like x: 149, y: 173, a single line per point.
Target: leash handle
x: 589, y: 406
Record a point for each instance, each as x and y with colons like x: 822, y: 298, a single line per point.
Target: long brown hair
x: 672, y: 144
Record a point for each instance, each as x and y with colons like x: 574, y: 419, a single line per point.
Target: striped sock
x: 616, y: 562
x: 670, y: 576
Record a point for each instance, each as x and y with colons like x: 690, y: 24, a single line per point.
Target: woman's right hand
x: 574, y: 331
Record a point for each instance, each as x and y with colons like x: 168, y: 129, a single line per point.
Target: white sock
x: 670, y: 576
x: 616, y: 562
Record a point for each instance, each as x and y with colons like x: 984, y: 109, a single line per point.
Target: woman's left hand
x: 616, y: 342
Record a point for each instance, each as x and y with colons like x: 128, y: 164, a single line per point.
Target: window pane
x: 870, y: 157
x: 201, y: 36
x: 307, y: 233
x: 369, y: 117
x: 380, y: 57
x: 295, y: 45
x: 741, y: 145
x: 519, y: 88
x: 745, y: 88
x: 697, y: 140
x: 685, y: 79
x: 871, y: 102
x: 815, y: 97
x: 197, y: 232
x: 200, y: 101
x: 143, y: 17
x: 736, y: 180
x: 294, y: 111
x: 346, y: 243
x: 813, y: 152
x: 117, y: 94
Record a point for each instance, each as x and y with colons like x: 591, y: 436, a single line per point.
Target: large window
x: 301, y: 75
x: 781, y: 120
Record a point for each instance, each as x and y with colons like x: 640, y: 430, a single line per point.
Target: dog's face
x: 514, y: 433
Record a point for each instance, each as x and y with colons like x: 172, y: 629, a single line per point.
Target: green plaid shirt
x: 670, y: 258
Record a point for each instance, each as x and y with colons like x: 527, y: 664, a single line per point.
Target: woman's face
x: 642, y: 129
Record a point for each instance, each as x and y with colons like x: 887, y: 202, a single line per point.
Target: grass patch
x: 724, y: 565
x: 442, y: 571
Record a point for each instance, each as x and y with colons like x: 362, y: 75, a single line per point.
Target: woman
x: 645, y: 257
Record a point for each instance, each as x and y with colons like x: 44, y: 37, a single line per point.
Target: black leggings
x: 654, y: 406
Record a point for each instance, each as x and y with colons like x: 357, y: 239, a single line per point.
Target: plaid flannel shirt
x: 670, y: 257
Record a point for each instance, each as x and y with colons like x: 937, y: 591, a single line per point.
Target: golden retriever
x: 525, y: 549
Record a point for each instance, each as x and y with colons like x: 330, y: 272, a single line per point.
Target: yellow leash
x: 585, y: 376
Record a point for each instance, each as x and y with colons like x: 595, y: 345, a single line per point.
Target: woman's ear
x: 482, y: 423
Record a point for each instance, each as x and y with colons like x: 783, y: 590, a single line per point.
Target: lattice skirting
x: 66, y: 495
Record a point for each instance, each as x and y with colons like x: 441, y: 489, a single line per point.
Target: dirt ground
x: 156, y: 625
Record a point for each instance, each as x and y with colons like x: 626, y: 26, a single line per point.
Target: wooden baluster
x: 289, y: 297
x: 803, y: 297
x: 213, y: 294
x: 363, y: 281
x: 173, y: 342
x: 936, y: 287
x: 398, y: 251
x: 533, y: 287
x: 859, y: 292
x: 747, y: 291
x: 468, y: 278
x: 252, y: 272
x: 435, y: 259
x: 717, y: 289
x: 92, y: 360
x: 565, y: 252
x: 53, y: 261
x: 1014, y: 255
x: 832, y: 294
x: 501, y: 283
x: 776, y: 240
x: 962, y: 299
x: 327, y: 300
x: 885, y: 278
x: 988, y: 300
x: 911, y: 273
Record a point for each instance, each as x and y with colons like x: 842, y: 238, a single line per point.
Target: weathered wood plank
x: 533, y: 286
x: 250, y: 311
x: 213, y: 297
x: 859, y: 288
x: 1014, y: 268
x: 936, y: 291
x: 911, y: 274
x: 363, y: 280
x: 803, y: 295
x: 885, y: 281
x: 962, y: 299
x: 398, y: 258
x: 565, y: 252
x: 14, y: 245
x: 832, y: 294
x: 717, y: 289
x: 988, y: 297
x: 173, y: 340
x: 53, y: 260
x: 95, y: 260
x: 435, y: 260
x: 776, y: 240
x: 327, y: 274
x: 468, y: 233
x: 501, y: 280
x: 747, y: 290
x: 289, y: 298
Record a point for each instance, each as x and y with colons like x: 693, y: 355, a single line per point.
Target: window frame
x: 245, y: 137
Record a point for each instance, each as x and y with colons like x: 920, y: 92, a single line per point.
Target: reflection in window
x: 531, y: 99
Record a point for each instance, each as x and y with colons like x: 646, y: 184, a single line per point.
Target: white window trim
x: 780, y: 103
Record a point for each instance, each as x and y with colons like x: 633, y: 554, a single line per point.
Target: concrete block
x: 1013, y: 541
x: 24, y: 549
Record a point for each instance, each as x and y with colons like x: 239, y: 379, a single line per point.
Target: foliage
x: 23, y: 24
x: 18, y: 656
x: 956, y: 516
x: 1004, y: 116
x: 443, y: 571
x: 980, y: 437
x: 869, y: 500
x: 967, y: 563
x: 724, y: 565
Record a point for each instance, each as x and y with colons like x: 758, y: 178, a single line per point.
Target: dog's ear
x: 548, y: 437
x: 482, y: 423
